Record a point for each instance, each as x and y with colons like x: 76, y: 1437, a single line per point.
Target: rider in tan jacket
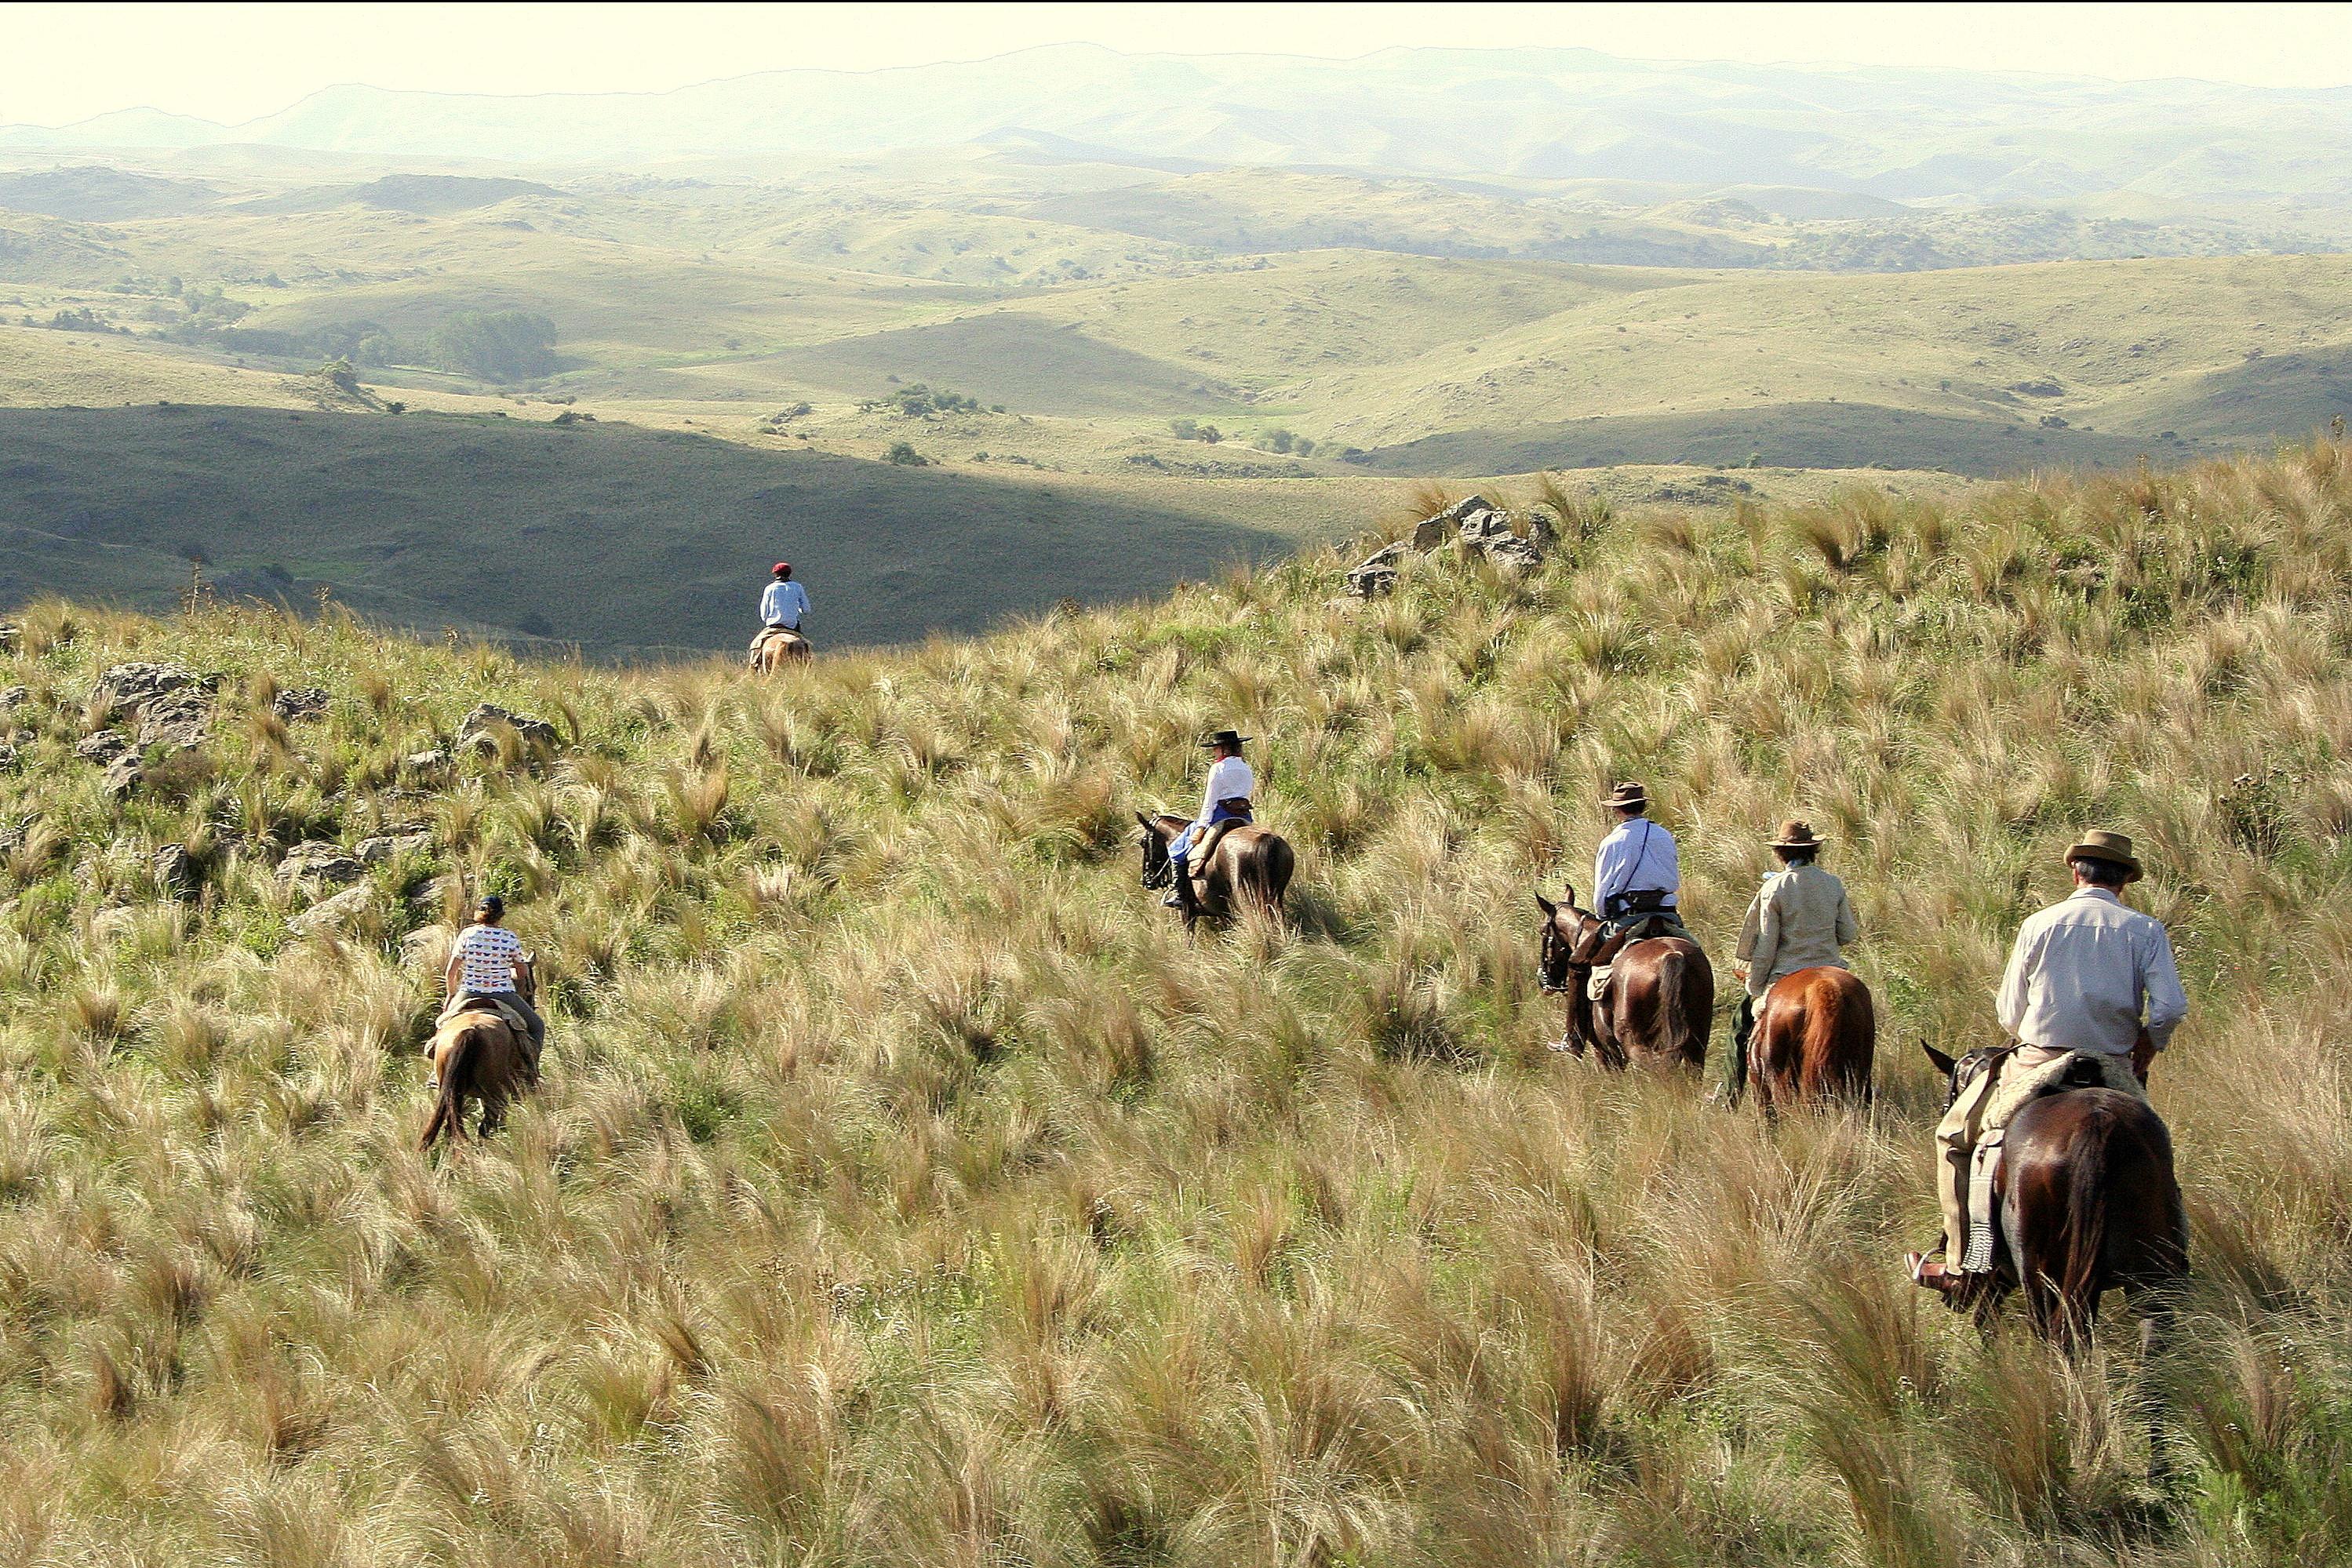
x: 1799, y: 919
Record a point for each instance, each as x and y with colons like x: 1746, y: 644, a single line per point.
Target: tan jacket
x: 1798, y: 919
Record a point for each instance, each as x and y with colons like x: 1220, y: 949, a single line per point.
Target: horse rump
x: 456, y: 1072
x: 1816, y: 1038
x: 2090, y: 1202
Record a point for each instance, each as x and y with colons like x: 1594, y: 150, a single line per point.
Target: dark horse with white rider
x: 1638, y: 987
x: 2057, y: 1175
x: 1221, y: 860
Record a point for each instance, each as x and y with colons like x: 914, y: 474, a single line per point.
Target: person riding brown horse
x: 1656, y: 1005
x: 2072, y: 999
x: 1209, y: 864
x: 2083, y: 1200
x: 783, y: 609
x: 1818, y: 1033
x: 483, y: 1048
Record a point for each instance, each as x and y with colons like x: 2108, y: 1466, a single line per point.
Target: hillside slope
x: 906, y: 1188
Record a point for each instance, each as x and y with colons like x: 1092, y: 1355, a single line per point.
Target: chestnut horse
x: 1659, y: 1000
x: 2088, y: 1202
x: 1245, y: 862
x: 478, y: 1055
x: 1816, y: 1036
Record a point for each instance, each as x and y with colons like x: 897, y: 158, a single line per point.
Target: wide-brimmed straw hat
x: 1225, y: 737
x: 1797, y: 835
x: 2116, y: 849
x: 1626, y: 795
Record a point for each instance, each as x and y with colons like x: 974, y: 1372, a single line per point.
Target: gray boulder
x: 479, y: 730
x: 300, y: 702
x: 382, y: 847
x: 123, y: 774
x: 181, y: 718
x: 425, y: 761
x: 127, y: 688
x: 1432, y: 531
x: 319, y: 860
x: 15, y: 697
x: 103, y: 747
x: 175, y: 870
x: 1377, y: 573
x: 330, y: 914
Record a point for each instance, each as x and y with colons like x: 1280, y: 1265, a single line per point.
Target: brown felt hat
x: 1797, y: 835
x: 2114, y: 848
x: 1627, y: 795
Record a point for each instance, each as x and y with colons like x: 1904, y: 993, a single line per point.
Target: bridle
x: 1159, y: 871
x: 1555, y: 950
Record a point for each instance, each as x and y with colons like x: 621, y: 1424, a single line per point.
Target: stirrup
x: 1174, y: 900
x: 1932, y: 1273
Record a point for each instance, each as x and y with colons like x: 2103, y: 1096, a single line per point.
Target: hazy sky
x: 233, y: 63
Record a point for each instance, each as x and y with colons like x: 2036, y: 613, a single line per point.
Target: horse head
x: 1157, y: 870
x: 526, y: 974
x: 1567, y: 931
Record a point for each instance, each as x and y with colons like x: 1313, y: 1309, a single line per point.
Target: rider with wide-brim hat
x: 1227, y: 798
x: 1799, y: 919
x: 1637, y: 877
x: 2089, y: 979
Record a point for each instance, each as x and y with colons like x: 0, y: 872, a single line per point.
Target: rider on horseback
x: 1798, y: 920
x: 484, y: 967
x: 1636, y: 878
x: 784, y: 604
x: 2077, y: 981
x: 1227, y: 799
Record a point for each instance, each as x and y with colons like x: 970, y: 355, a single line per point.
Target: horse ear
x: 1944, y: 1064
x: 1143, y: 822
x: 1568, y: 895
x: 1546, y: 906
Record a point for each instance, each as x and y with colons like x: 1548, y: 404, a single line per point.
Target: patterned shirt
x: 488, y: 954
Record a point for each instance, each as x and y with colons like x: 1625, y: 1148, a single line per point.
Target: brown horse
x: 478, y: 1055
x: 2088, y: 1202
x: 777, y: 646
x: 1660, y: 1001
x: 1816, y: 1036
x: 1246, y: 863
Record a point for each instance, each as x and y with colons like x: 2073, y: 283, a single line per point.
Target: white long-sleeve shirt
x: 2079, y: 972
x: 784, y: 604
x: 1637, y: 856
x: 1230, y: 779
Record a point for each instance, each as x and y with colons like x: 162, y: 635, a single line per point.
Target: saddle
x: 2072, y: 1071
x: 1203, y: 854
x: 463, y: 1007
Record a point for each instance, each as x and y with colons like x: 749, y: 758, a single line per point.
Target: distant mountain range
x: 1531, y: 114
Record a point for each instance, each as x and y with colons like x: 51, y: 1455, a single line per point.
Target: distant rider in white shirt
x: 1231, y: 788
x: 782, y: 605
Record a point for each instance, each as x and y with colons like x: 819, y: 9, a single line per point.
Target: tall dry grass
x: 907, y: 1189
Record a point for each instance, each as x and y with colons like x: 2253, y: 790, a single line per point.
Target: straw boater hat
x: 1627, y: 795
x: 1796, y: 835
x: 2114, y: 848
x: 1225, y: 737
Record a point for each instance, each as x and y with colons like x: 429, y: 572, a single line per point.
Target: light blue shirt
x: 1638, y: 856
x: 784, y: 604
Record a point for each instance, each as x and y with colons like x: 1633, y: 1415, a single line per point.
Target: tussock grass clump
x: 905, y: 1187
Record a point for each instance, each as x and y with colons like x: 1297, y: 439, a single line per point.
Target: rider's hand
x: 2143, y: 1056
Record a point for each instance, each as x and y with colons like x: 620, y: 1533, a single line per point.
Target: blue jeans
x: 1192, y: 835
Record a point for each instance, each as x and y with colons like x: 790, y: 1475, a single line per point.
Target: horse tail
x: 448, y: 1107
x: 1274, y: 872
x: 1674, y: 1027
x: 2088, y: 1177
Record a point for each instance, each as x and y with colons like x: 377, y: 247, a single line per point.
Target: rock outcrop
x: 125, y: 689
x: 319, y: 860
x: 382, y: 847
x: 181, y: 719
x: 300, y: 702
x: 1474, y: 526
x: 328, y: 913
x: 479, y: 730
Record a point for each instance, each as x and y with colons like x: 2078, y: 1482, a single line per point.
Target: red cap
x: 784, y: 569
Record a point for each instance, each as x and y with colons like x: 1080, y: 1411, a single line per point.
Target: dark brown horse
x: 478, y: 1055
x: 1659, y: 1000
x: 1816, y: 1037
x: 2088, y: 1202
x: 1247, y: 863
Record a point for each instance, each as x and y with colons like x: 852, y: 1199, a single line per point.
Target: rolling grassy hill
x: 906, y: 1188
